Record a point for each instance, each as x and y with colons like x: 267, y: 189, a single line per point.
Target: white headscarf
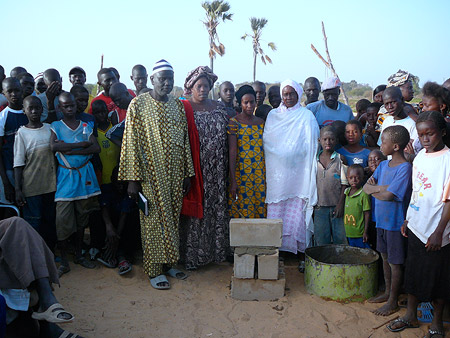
x: 290, y: 148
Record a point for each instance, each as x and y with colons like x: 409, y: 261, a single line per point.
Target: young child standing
x: 375, y: 158
x: 76, y: 185
x: 357, y: 208
x: 390, y: 185
x: 371, y: 132
x: 331, y: 183
x: 354, y: 152
x: 427, y: 273
x: 35, y: 172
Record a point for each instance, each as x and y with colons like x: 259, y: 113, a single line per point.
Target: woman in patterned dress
x: 206, y: 240
x: 247, y: 168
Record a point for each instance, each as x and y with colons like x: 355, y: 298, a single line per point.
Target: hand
x: 371, y: 181
x: 9, y: 191
x: 434, y: 242
x: 52, y: 92
x: 404, y: 229
x: 233, y: 189
x: 409, y: 148
x: 20, y: 198
x: 365, y: 237
x: 133, y: 189
x: 338, y: 212
x: 186, y: 185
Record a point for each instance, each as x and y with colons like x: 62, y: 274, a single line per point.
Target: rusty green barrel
x: 342, y: 273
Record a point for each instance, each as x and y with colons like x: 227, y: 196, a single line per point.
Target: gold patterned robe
x: 156, y: 152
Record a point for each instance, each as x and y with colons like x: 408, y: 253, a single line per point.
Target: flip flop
x: 159, y: 279
x: 63, y: 269
x: 407, y: 325
x: 124, y: 267
x: 51, y: 314
x: 432, y: 333
x: 85, y: 263
x: 67, y: 334
x: 175, y: 273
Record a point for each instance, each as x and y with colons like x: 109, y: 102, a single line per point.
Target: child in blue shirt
x: 76, y: 184
x: 353, y: 151
x: 391, y: 186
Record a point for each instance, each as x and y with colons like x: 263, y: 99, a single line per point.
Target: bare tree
x: 257, y: 25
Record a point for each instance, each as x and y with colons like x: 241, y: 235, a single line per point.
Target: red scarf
x: 193, y: 201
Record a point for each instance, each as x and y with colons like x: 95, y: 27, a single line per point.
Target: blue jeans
x: 327, y: 228
x: 40, y: 212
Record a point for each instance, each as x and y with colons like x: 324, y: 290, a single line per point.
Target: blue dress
x: 76, y: 178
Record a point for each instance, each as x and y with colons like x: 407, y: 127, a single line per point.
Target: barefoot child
x: 357, y: 209
x: 427, y: 227
x: 390, y: 185
x: 331, y: 182
x: 76, y: 184
x: 35, y: 172
x: 354, y: 152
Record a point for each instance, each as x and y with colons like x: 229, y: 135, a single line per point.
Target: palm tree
x: 216, y: 11
x: 257, y: 26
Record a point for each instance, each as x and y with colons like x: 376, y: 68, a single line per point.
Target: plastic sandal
x: 51, y: 314
x: 160, y: 279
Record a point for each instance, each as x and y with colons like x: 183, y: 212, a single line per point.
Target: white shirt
x: 407, y: 122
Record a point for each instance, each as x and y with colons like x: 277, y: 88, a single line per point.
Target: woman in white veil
x: 290, y: 139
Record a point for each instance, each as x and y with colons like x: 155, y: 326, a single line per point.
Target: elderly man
x: 156, y: 160
x: 330, y: 109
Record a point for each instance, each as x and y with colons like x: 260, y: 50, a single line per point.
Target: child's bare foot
x: 382, y: 298
x: 387, y: 309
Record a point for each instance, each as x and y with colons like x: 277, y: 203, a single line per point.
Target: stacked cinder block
x: 258, y: 274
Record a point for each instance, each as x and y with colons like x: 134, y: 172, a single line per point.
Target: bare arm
x: 18, y: 174
x: 93, y: 148
x: 63, y: 147
x: 378, y: 191
x: 434, y: 242
x: 339, y: 210
x: 9, y: 189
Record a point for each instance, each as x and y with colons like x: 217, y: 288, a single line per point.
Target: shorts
x: 427, y: 273
x: 393, y: 244
x: 358, y: 242
x: 73, y: 215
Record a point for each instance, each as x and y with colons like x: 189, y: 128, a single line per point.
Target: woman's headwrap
x: 245, y: 89
x: 398, y: 79
x: 194, y: 75
x: 297, y: 88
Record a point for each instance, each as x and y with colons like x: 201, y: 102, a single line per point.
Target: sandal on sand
x: 407, y: 325
x: 63, y: 269
x: 51, y: 314
x: 109, y: 264
x: 431, y: 333
x: 175, y: 273
x: 124, y: 267
x: 67, y: 334
x: 160, y: 279
x: 84, y: 262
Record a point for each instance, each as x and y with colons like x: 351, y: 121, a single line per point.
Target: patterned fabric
x: 194, y: 75
x: 250, y: 171
x: 293, y: 213
x: 207, y: 240
x: 156, y: 152
x: 398, y: 79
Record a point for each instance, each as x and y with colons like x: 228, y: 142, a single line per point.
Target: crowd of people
x: 377, y: 178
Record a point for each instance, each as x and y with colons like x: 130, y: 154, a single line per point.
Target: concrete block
x: 244, y: 266
x: 256, y: 232
x: 268, y: 266
x: 258, y: 289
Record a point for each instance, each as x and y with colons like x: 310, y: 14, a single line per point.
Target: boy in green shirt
x: 357, y: 209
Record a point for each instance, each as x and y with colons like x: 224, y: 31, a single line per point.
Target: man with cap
x: 77, y: 76
x: 330, y: 109
x: 156, y: 161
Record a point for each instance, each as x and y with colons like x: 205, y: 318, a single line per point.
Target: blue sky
x: 368, y: 40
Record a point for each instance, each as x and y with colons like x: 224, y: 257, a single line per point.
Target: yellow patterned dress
x: 250, y: 171
x: 156, y: 152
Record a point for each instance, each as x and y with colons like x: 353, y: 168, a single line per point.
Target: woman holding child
x: 291, y: 138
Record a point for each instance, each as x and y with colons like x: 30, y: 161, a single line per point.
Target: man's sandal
x: 407, y: 325
x: 85, y: 263
x: 63, y: 269
x: 67, y: 334
x: 175, y: 273
x: 432, y: 333
x: 51, y: 314
x: 124, y: 267
x: 159, y: 280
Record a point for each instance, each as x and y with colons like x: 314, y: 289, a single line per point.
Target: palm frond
x: 272, y: 46
x: 243, y: 37
x: 268, y: 59
x: 263, y: 60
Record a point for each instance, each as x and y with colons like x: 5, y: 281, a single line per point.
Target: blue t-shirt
x: 326, y: 116
x: 361, y: 157
x: 390, y: 215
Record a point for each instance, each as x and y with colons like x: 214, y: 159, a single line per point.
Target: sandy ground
x: 108, y: 305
